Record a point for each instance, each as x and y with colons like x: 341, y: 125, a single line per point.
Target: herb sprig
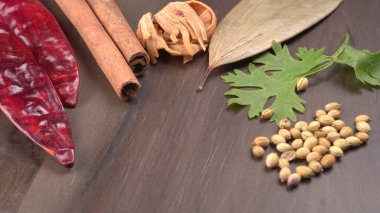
x: 254, y: 88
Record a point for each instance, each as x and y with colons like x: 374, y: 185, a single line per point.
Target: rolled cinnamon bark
x: 102, y: 47
x: 118, y: 28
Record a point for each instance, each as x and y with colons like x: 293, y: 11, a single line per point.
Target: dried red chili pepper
x: 29, y: 100
x: 40, y: 31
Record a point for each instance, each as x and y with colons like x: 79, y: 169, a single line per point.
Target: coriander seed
x: 364, y: 118
x: 284, y: 124
x: 354, y: 141
x: 277, y: 139
x: 297, y: 143
x: 258, y: 151
x: 332, y: 136
x: 326, y: 120
x: 296, y: 133
x: 342, y: 143
x: 302, y: 152
x: 346, y: 132
x: 320, y: 149
x: 338, y: 124
x: 313, y: 126
x: 324, y: 142
x: 272, y: 160
x: 316, y: 167
x: 302, y: 84
x: 336, y: 151
x: 304, y: 171
x: 363, y: 136
x: 363, y: 126
x: 283, y: 147
x: 334, y: 113
x: 306, y: 134
x: 284, y: 174
x: 328, y: 161
x: 293, y: 180
x: 282, y: 163
x: 313, y: 156
x: 285, y: 133
x: 289, y: 156
x: 261, y: 141
x: 332, y: 106
x: 310, y: 143
x: 300, y: 125
x: 266, y: 114
x: 319, y: 113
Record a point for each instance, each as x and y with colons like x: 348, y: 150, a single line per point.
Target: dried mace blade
x: 251, y: 26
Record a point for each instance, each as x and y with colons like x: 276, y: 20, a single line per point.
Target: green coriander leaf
x: 259, y: 88
x: 366, y: 64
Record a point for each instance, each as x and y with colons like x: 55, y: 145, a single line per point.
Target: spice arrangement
x: 282, y: 76
x: 251, y: 26
x: 110, y: 40
x: 180, y: 28
x: 317, y: 144
x: 38, y: 73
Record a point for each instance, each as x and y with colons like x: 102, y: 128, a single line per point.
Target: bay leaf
x: 251, y: 26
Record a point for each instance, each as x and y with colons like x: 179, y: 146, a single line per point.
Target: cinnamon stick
x: 102, y: 47
x: 122, y: 34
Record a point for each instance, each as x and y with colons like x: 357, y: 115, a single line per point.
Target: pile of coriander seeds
x: 316, y: 144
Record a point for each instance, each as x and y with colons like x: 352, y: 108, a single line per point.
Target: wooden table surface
x: 171, y: 149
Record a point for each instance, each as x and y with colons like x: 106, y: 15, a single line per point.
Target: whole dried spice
x: 363, y: 126
x: 363, y: 136
x: 310, y: 142
x: 180, y: 28
x: 295, y: 133
x: 313, y: 156
x: 328, y: 129
x: 272, y: 160
x: 266, y: 114
x: 336, y: 151
x: 258, y: 151
x: 338, y: 124
x: 333, y: 136
x: 354, y: 141
x: 364, y: 118
x: 282, y: 163
x: 304, y: 171
x: 319, y: 113
x: 332, y: 106
x: 326, y: 120
x: 324, y: 142
x: 320, y: 149
x: 301, y: 125
x: 320, y: 134
x: 284, y: 124
x: 283, y: 147
x: 294, y: 179
x: 277, y: 139
x: 297, y: 143
x: 261, y: 141
x: 328, y: 161
x: 284, y: 174
x: 302, y: 152
x: 302, y: 84
x: 313, y: 126
x: 334, y: 113
x: 342, y: 143
x: 346, y: 132
x: 258, y: 27
x: 285, y: 133
x: 316, y: 167
x: 306, y: 134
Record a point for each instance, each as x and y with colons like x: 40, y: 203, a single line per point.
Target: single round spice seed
x: 334, y: 113
x: 363, y: 126
x: 363, y: 136
x: 285, y: 124
x: 333, y: 136
x: 266, y: 114
x: 320, y: 149
x: 302, y: 84
x: 300, y: 125
x: 313, y: 126
x: 328, y: 161
x: 283, y: 147
x: 284, y: 174
x: 319, y: 113
x: 310, y: 143
x: 320, y: 134
x: 272, y: 160
x: 297, y: 143
x: 313, y: 156
x: 316, y: 167
x: 354, y: 141
x: 326, y: 120
x: 328, y: 129
x: 295, y: 133
x: 289, y: 156
x: 293, y: 180
x: 285, y: 133
x: 324, y: 142
x: 282, y: 163
x: 338, y: 124
x: 342, y: 143
x: 346, y: 132
x: 364, y: 118
x: 332, y: 106
x: 304, y: 171
x: 261, y: 141
x: 336, y: 151
x: 277, y: 139
x: 302, y: 152
x: 258, y: 151
x: 306, y: 134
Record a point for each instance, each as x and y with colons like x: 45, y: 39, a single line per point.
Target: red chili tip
x: 65, y: 157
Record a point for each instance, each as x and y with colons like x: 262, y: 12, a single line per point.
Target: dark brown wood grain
x: 171, y: 149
